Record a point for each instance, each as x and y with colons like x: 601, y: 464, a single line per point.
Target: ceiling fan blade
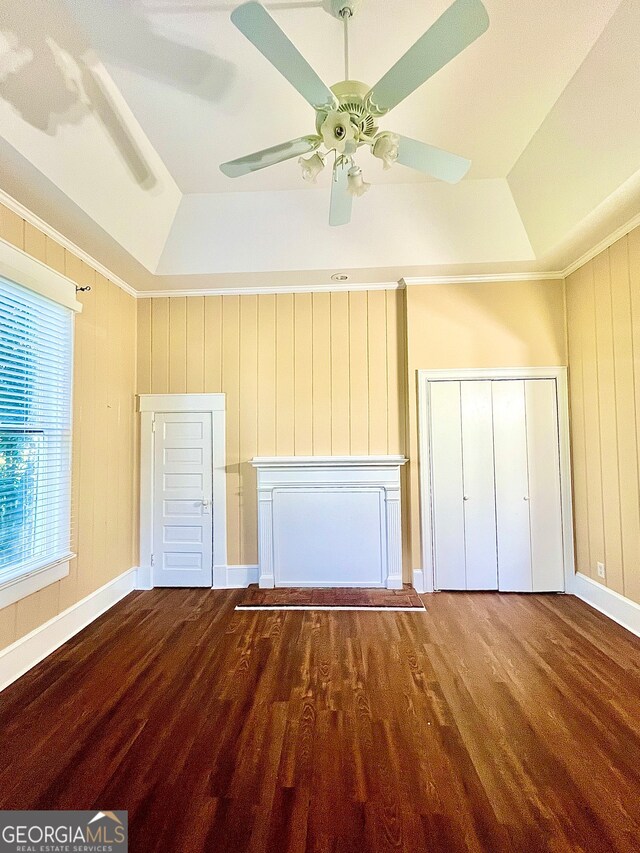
x: 341, y: 198
x: 270, y: 156
x: 432, y: 161
x: 455, y: 29
x: 254, y: 22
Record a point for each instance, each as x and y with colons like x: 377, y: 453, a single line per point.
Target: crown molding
x: 41, y: 225
x: 603, y: 245
x: 332, y: 287
x: 483, y: 279
x: 273, y: 290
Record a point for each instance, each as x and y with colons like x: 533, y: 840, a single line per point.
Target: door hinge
x: 153, y: 559
x: 153, y: 425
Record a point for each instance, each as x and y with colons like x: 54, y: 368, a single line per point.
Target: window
x: 36, y: 336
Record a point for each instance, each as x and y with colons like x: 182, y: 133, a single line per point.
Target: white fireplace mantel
x: 331, y: 521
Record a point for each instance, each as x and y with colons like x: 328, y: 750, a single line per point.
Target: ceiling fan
x: 348, y: 113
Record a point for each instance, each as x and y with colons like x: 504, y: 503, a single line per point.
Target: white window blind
x: 36, y: 336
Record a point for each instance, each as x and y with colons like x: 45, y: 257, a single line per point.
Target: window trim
x: 20, y: 268
x: 26, y: 583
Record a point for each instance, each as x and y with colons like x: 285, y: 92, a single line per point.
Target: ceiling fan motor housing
x: 351, y: 100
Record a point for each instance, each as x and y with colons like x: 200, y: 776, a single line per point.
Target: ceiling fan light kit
x: 311, y: 167
x: 386, y: 148
x: 338, y: 132
x: 348, y: 114
x: 356, y: 184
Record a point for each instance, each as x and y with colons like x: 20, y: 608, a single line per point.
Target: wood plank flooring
x: 489, y: 723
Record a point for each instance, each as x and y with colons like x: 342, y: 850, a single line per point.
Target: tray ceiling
x: 123, y: 110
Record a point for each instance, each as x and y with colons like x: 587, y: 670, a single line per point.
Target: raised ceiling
x: 115, y: 115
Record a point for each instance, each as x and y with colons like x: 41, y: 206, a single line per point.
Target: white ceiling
x: 543, y: 104
x: 486, y: 104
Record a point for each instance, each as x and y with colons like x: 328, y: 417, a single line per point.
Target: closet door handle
x: 526, y: 497
x: 465, y: 498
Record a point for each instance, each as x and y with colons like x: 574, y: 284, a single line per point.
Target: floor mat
x: 330, y: 599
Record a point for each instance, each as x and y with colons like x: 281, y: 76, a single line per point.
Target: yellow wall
x: 327, y: 373
x: 336, y: 374
x: 304, y: 374
x: 502, y: 324
x: 322, y: 373
x: 104, y: 480
x: 603, y: 314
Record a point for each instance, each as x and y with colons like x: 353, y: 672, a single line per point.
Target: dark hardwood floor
x: 489, y: 723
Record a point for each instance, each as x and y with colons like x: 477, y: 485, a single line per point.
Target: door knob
x: 465, y: 498
x: 205, y: 503
x: 526, y: 498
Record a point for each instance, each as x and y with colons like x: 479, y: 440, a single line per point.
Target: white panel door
x: 512, y: 486
x: 481, y: 556
x: 447, y: 485
x: 545, y: 504
x: 182, y: 500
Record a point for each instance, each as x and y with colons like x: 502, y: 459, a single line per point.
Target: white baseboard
x: 29, y: 650
x: 422, y: 581
x: 418, y: 580
x: 239, y: 577
x: 622, y: 610
x: 224, y: 577
x: 144, y: 578
x: 220, y: 577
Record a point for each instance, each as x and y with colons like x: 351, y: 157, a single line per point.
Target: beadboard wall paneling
x: 304, y: 374
x: 104, y: 475
x: 603, y: 321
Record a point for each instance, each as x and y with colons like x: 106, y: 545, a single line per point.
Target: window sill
x: 13, y: 589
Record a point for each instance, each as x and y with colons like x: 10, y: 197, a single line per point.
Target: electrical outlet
x: 601, y: 573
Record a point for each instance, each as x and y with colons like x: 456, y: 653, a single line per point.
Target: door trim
x: 423, y: 378
x: 215, y: 405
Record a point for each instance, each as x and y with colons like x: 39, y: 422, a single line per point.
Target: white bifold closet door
x: 495, y: 471
x: 528, y: 497
x: 479, y: 485
x: 447, y: 486
x: 463, y: 485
